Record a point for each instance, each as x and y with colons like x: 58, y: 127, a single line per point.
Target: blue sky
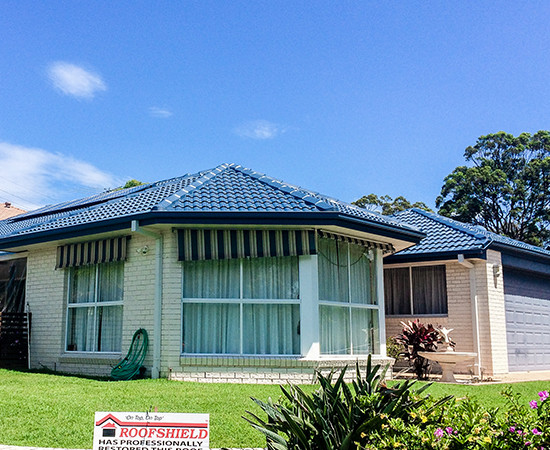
x: 346, y: 98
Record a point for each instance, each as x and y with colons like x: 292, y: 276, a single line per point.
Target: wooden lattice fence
x: 14, y: 339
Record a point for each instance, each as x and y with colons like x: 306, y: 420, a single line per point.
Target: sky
x: 345, y: 98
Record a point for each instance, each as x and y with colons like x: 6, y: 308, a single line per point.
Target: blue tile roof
x: 445, y: 236
x: 228, y: 188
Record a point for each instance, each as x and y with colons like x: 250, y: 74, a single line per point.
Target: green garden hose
x: 130, y: 366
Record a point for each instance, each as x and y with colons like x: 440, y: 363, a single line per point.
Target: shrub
x: 393, y: 348
x: 417, y: 337
x: 338, y: 416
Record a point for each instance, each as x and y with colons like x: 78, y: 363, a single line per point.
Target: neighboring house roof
x: 446, y: 238
x: 229, y: 194
x: 8, y: 210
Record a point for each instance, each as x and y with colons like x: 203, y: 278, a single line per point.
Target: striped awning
x: 94, y: 252
x: 386, y: 248
x: 199, y: 244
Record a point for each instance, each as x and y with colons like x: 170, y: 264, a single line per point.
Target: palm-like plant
x: 335, y: 416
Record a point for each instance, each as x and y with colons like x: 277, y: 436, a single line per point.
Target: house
x: 492, y: 290
x: 236, y: 276
x: 8, y: 210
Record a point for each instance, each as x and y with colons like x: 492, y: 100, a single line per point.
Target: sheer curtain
x: 270, y: 322
x: 211, y: 328
x: 347, y: 280
x: 93, y: 325
x: 335, y: 330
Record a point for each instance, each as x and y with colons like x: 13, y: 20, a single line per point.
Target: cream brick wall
x: 171, y: 307
x: 492, y: 316
x: 46, y: 295
x: 139, y: 293
x: 46, y: 298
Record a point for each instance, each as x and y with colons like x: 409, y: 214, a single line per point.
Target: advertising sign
x: 151, y: 431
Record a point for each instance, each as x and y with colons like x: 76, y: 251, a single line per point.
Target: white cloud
x: 32, y: 177
x: 163, y: 113
x: 75, y: 81
x: 259, y: 129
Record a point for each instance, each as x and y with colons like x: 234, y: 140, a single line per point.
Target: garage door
x: 527, y: 297
x: 528, y: 333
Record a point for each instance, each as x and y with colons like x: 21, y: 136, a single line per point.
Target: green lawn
x: 57, y: 411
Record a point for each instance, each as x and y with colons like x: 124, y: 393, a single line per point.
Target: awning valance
x: 94, y: 252
x: 201, y: 244
x: 386, y: 248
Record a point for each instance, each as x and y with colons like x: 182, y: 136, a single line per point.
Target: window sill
x: 410, y: 316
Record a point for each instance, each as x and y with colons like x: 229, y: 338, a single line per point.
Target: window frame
x: 350, y: 305
x: 410, y: 268
x: 241, y: 301
x: 95, y: 304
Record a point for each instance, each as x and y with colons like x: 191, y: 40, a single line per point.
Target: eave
x: 245, y: 218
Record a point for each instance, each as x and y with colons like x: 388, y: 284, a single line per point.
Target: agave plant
x: 417, y: 337
x: 336, y: 416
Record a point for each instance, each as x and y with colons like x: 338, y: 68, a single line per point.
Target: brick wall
x: 492, y: 316
x: 46, y: 298
x: 253, y: 370
x: 46, y: 295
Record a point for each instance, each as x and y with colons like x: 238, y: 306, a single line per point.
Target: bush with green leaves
x: 338, y: 416
x: 417, y: 337
x: 369, y: 415
x: 464, y: 424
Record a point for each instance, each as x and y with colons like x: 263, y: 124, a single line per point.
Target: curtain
x: 82, y: 284
x: 91, y: 327
x: 267, y: 328
x: 362, y: 276
x: 429, y: 290
x: 335, y: 330
x: 333, y: 270
x: 271, y: 329
x: 211, y: 328
x: 271, y: 278
x: 397, y: 291
x: 109, y: 328
x: 211, y: 279
x: 80, y: 330
x: 365, y: 336
x: 111, y: 282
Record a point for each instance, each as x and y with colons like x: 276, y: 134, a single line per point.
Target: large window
x: 348, y: 306
x: 415, y: 290
x: 241, y: 306
x: 94, y: 311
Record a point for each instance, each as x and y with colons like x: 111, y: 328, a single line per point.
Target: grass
x: 46, y: 410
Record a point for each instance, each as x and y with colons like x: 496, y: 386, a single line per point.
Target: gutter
x: 475, y: 312
x: 157, y: 312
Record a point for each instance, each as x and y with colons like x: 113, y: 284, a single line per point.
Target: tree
x: 132, y: 183
x: 388, y: 206
x: 506, y: 189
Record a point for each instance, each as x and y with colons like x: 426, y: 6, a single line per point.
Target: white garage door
x: 528, y: 333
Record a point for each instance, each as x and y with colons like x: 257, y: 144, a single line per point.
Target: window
x: 241, y: 306
x: 12, y: 285
x: 94, y: 310
x: 415, y: 290
x: 348, y: 308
